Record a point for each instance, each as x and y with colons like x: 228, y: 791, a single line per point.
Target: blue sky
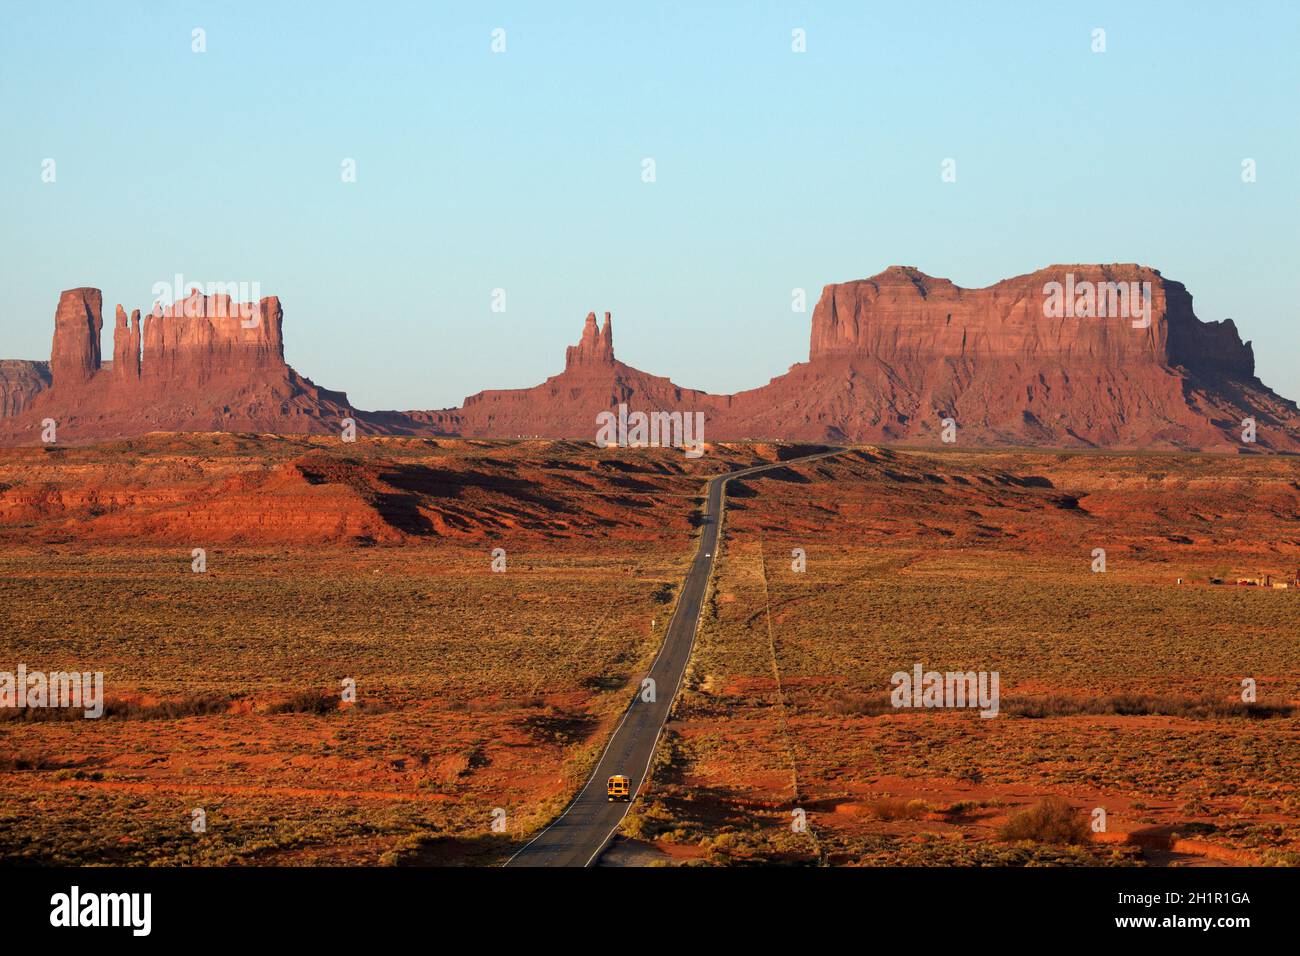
x: 523, y: 170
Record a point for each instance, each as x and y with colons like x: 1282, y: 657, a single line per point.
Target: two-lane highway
x: 581, y: 833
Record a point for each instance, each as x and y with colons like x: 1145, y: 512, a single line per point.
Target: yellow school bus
x: 618, y: 788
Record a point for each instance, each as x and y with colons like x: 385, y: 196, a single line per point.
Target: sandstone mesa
x: 890, y: 357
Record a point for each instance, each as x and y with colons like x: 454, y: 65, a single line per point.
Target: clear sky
x: 522, y: 170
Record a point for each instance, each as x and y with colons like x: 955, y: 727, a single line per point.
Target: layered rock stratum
x: 203, y: 364
x: 1069, y: 356
x: 20, y: 382
x: 892, y: 356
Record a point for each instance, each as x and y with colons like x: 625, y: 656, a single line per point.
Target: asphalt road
x: 580, y: 834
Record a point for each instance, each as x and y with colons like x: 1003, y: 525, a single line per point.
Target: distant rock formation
x: 1124, y: 363
x: 74, y: 357
x: 20, y: 382
x: 595, y: 347
x: 126, y: 345
x: 202, y: 338
x: 1107, y: 356
x: 203, y: 364
x: 892, y: 356
x: 905, y: 316
x: 566, y: 405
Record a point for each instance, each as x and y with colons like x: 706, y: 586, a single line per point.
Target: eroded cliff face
x: 126, y: 345
x: 566, y: 405
x: 1116, y: 316
x: 596, y: 347
x: 210, y: 337
x: 74, y: 356
x: 205, y: 363
x: 1071, y: 355
x: 20, y: 382
x: 1068, y: 356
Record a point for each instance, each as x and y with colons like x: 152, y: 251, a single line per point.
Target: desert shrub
x: 635, y: 827
x: 11, y: 762
x: 898, y: 808
x: 858, y: 705
x: 192, y: 706
x: 305, y: 702
x: 664, y: 593
x: 1141, y: 705
x: 1051, y: 820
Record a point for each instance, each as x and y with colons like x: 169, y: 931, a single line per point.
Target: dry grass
x: 476, y: 690
x: 898, y: 808
x: 1120, y: 690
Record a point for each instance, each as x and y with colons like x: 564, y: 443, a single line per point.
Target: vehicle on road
x: 619, y: 787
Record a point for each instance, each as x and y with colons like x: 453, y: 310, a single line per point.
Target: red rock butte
x: 890, y: 358
x: 204, y: 364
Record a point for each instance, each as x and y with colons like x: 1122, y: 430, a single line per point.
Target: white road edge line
x: 632, y: 703
x: 717, y: 546
x: 690, y: 651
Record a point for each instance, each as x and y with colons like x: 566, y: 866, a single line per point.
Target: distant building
x: 1264, y: 580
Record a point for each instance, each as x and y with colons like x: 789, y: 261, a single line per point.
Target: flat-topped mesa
x: 596, y: 345
x: 206, y: 363
x: 204, y: 337
x: 74, y: 355
x: 1121, y: 314
x: 1105, y: 356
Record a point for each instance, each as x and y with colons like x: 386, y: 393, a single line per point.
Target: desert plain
x: 483, y: 697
